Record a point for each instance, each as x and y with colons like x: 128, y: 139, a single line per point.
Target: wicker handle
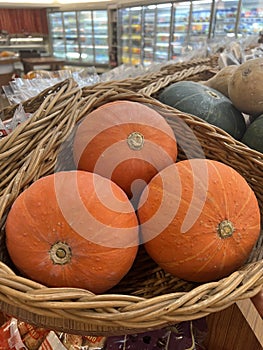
x: 166, y: 80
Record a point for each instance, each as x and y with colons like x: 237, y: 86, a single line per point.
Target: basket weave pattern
x: 147, y: 297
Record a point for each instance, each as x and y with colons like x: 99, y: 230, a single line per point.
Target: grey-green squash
x: 206, y: 103
x: 253, y: 136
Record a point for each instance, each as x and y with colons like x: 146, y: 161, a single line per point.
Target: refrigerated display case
x: 251, y: 17
x: 149, y: 34
x: 80, y: 37
x: 113, y: 35
x: 56, y: 29
x: 145, y: 34
x: 180, y: 35
x: 71, y: 36
x: 160, y: 32
x: 100, y: 29
x: 131, y: 35
x: 86, y: 36
x: 226, y: 18
x: 200, y: 21
x: 163, y: 32
x: 93, y: 36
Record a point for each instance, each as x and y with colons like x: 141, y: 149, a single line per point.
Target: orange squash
x: 127, y: 142
x: 199, y: 219
x: 73, y: 229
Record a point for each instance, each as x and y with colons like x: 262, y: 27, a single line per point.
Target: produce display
x: 131, y: 191
x: 231, y: 100
x: 199, y: 219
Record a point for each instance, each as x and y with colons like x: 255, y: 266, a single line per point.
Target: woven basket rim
x: 79, y: 311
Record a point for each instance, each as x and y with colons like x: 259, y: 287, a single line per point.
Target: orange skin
x: 101, y: 146
x: 85, y: 211
x: 197, y: 195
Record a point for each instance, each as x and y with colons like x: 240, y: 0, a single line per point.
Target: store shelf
x: 83, y: 35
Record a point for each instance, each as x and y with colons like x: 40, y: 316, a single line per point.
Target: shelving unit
x: 149, y: 28
x: 130, y: 22
x: 226, y: 16
x: 20, y: 42
x: 71, y: 36
x: 200, y: 22
x: 160, y: 32
x: 80, y: 37
x: 113, y: 36
x: 57, y: 34
x: 251, y: 17
x: 163, y: 32
x: 86, y: 36
x: 145, y: 34
x: 180, y: 36
x: 151, y: 32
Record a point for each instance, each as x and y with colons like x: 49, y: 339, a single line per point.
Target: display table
x: 7, y: 69
x: 238, y: 327
x: 31, y: 63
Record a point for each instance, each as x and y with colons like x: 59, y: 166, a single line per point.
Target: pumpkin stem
x: 135, y: 141
x: 60, y: 253
x: 225, y: 229
x: 212, y: 94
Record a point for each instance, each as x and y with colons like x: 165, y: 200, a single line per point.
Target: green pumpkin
x: 253, y: 136
x: 205, y: 103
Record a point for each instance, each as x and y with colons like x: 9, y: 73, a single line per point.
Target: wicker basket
x: 184, y: 70
x: 226, y: 154
x: 199, y: 68
x: 211, y: 61
x: 147, y: 298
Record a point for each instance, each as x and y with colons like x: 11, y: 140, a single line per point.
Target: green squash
x: 253, y: 136
x: 205, y: 103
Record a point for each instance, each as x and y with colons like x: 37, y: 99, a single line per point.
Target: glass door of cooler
x: 71, y: 36
x: 56, y: 27
x: 200, y: 22
x: 124, y: 30
x: 149, y: 30
x: 131, y: 35
x: 251, y: 17
x: 100, y: 30
x: 226, y: 17
x: 163, y: 32
x: 180, y: 35
x: 86, y: 38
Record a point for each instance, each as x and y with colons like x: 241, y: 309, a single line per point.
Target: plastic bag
x: 19, y: 335
x: 9, y: 125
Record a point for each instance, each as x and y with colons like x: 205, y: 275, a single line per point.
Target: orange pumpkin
x: 127, y: 142
x: 73, y: 229
x: 199, y: 219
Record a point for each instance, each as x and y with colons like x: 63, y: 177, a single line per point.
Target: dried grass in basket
x: 147, y: 298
